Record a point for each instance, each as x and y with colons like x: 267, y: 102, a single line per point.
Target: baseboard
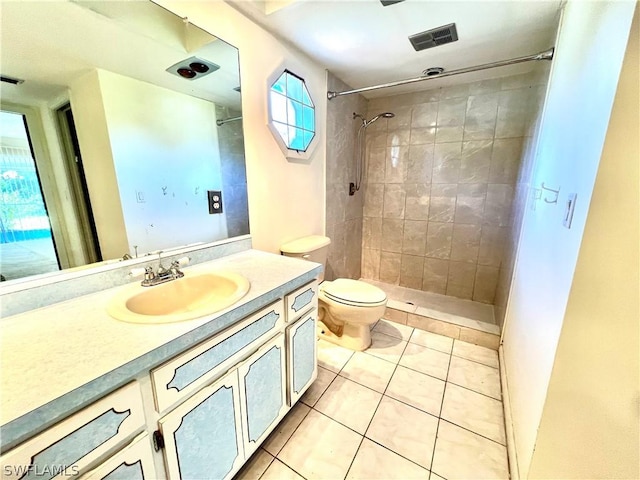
x: 514, y: 471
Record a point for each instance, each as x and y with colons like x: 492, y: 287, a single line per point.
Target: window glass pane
x: 278, y: 107
x: 308, y: 136
x: 281, y: 84
x: 296, y: 138
x: 294, y: 88
x: 306, y: 98
x: 283, y: 130
x: 308, y: 120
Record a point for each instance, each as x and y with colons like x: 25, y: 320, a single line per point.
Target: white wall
x: 286, y: 199
x: 581, y: 89
x: 170, y: 160
x: 589, y: 427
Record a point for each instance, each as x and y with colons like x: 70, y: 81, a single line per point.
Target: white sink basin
x: 186, y: 298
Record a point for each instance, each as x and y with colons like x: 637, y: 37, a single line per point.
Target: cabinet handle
x: 158, y: 441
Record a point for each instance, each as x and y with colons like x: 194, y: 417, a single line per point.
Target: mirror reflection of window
x: 292, y: 111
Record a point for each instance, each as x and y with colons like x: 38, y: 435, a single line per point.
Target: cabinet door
x: 263, y: 392
x: 301, y: 355
x: 68, y: 448
x: 202, y: 436
x: 134, y: 462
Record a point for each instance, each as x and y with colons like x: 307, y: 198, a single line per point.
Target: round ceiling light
x: 186, y: 72
x: 432, y: 71
x: 199, y: 67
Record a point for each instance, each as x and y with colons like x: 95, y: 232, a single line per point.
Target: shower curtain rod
x: 546, y: 55
x: 225, y: 120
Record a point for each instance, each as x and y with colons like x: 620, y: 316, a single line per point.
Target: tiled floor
x: 414, y: 405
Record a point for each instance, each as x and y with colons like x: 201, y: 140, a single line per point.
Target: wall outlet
x: 214, y: 198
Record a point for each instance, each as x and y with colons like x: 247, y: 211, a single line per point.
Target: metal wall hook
x: 553, y: 191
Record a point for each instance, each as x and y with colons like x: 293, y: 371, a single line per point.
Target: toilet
x: 346, y: 308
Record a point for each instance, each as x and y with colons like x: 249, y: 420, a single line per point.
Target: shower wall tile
x: 394, y: 200
x: 470, y: 203
x: 435, y: 275
x: 421, y: 136
x: 465, y: 243
x: 446, y: 162
x: 475, y: 161
x: 424, y: 115
x: 442, y: 175
x: 396, y: 163
x: 371, y: 232
x: 439, y: 238
x: 443, y: 202
x: 373, y: 199
x: 452, y: 112
x: 390, y: 267
x: 505, y: 160
x: 486, y: 282
x: 396, y: 138
x: 417, y: 201
x: 449, y: 134
x: 480, y: 120
x: 414, y: 239
x: 392, y: 234
x: 420, y: 164
x: 376, y: 165
x: 371, y: 263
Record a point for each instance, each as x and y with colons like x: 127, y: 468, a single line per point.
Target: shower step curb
x: 477, y: 336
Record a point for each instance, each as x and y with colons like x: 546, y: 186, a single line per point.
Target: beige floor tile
x: 405, y: 430
x: 331, y: 356
x: 475, y: 376
x: 279, y: 471
x: 277, y: 439
x: 386, y: 347
x: 374, y: 462
x: 317, y: 388
x: 432, y: 340
x: 476, y: 353
x: 394, y: 329
x: 461, y: 454
x: 417, y: 389
x: 321, y: 448
x: 255, y: 467
x: 426, y: 360
x: 349, y: 403
x: 435, y: 477
x: 369, y: 371
x: 474, y: 411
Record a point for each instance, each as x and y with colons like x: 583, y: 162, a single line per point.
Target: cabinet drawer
x: 301, y: 300
x: 68, y: 448
x: 186, y: 373
x: 302, y: 344
x: 263, y: 392
x: 134, y: 462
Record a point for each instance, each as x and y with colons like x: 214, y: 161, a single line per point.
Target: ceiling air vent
x: 434, y: 37
x: 386, y: 3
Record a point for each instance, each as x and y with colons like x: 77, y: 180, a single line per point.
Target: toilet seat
x: 354, y: 293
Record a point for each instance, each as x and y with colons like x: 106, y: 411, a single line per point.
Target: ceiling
x: 49, y: 44
x: 364, y: 43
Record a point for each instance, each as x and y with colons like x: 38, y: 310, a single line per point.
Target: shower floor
x: 452, y: 310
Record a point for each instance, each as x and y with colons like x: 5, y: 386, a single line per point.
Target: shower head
x: 380, y: 115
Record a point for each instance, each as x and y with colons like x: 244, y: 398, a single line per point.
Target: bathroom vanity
x: 87, y: 396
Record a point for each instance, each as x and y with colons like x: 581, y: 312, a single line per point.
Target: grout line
x: 268, y: 465
x: 399, y: 454
x: 471, y: 431
x: 435, y: 442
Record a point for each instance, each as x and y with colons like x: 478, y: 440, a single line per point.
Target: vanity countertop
x: 58, y: 359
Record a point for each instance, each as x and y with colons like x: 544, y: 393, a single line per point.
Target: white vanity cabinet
x: 70, y: 447
x: 301, y: 355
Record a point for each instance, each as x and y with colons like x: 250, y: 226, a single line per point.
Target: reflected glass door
x: 26, y: 242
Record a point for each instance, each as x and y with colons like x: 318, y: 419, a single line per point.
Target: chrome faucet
x: 163, y: 274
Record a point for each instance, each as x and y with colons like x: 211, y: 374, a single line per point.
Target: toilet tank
x: 313, y: 248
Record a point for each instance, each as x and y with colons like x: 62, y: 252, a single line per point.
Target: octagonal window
x: 292, y: 111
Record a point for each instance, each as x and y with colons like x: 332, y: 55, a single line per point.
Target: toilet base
x: 354, y: 337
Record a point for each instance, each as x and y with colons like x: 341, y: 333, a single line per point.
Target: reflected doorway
x: 27, y: 246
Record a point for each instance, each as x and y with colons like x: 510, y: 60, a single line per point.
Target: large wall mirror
x: 121, y: 134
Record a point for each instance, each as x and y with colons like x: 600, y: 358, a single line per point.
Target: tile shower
x: 440, y: 184
x: 445, y: 186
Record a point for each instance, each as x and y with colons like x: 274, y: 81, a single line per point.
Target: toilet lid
x: 354, y: 292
